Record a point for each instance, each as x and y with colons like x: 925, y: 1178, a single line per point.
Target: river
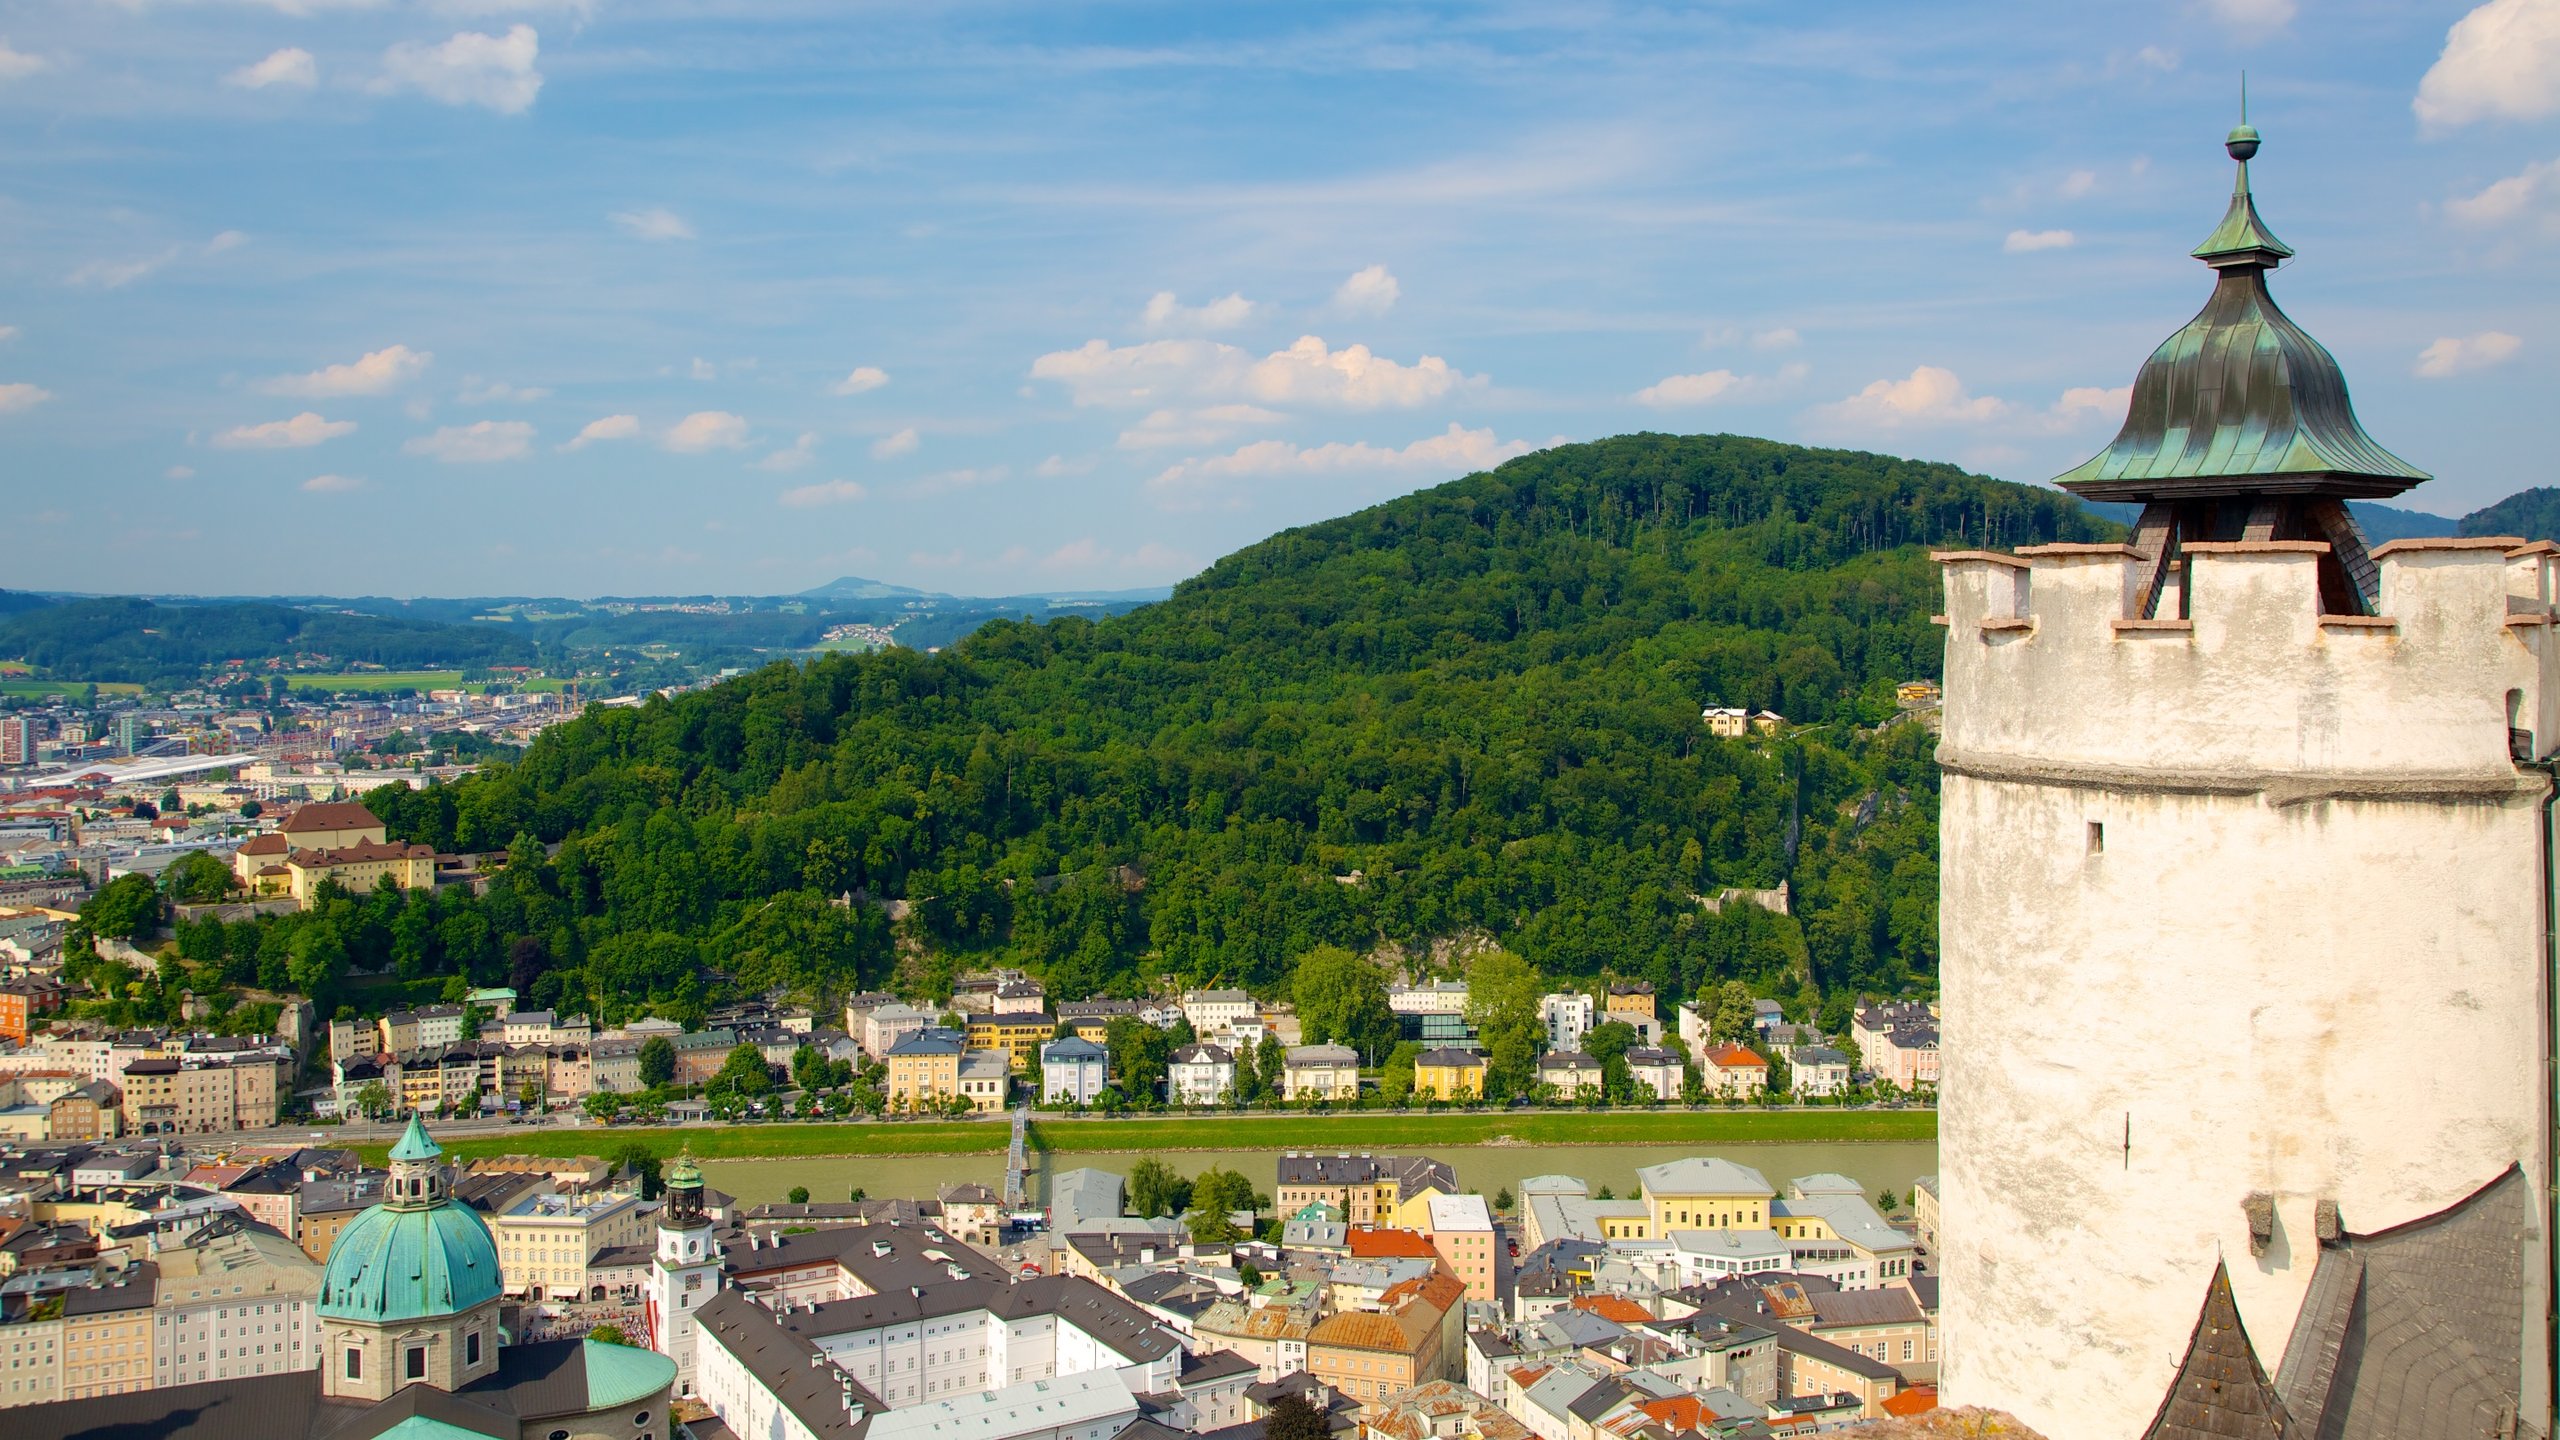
x: 1878, y: 1165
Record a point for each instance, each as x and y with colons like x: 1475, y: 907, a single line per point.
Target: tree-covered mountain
x: 122, y: 639
x: 1469, y: 711
x: 2533, y: 514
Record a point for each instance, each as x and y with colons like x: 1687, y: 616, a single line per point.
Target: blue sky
x: 647, y: 296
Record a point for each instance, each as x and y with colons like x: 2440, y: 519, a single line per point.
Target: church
x: 410, y: 1348
x: 2248, y: 868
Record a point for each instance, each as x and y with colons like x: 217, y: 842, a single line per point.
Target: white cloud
x: 2085, y: 401
x: 802, y: 451
x: 825, y: 492
x: 2251, y: 16
x: 655, y: 223
x: 332, y: 484
x: 1157, y: 373
x: 2506, y: 199
x: 890, y: 446
x: 2156, y: 57
x: 2079, y: 183
x: 8, y: 332
x: 2454, y: 355
x: 1782, y: 338
x: 18, y: 395
x: 1372, y: 291
x: 706, y: 430
x: 611, y: 427
x: 304, y: 429
x: 1059, y: 466
x: 376, y: 373
x: 17, y: 64
x: 493, y: 71
x: 292, y: 67
x: 947, y: 481
x: 227, y: 240
x: 476, y: 391
x: 2501, y: 61
x: 116, y: 274
x: 1931, y: 395
x: 1165, y: 312
x: 179, y: 472
x: 1455, y: 451
x: 2022, y: 241
x: 865, y: 378
x: 1191, y: 429
x: 1697, y: 389
x: 477, y: 443
x: 704, y: 370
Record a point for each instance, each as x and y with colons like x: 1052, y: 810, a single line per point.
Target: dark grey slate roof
x: 2411, y: 1333
x: 2221, y: 1393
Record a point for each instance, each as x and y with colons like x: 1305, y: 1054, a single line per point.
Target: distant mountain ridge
x: 2533, y: 514
x: 2382, y: 524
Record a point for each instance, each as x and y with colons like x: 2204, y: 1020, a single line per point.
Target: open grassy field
x: 1221, y: 1132
x: 378, y: 680
x: 25, y: 689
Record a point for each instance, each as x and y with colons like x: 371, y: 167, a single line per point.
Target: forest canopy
x: 1469, y: 714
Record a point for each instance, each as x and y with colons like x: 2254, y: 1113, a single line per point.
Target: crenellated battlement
x: 2051, y: 668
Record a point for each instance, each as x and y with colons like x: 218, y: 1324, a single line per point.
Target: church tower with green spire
x: 685, y: 1273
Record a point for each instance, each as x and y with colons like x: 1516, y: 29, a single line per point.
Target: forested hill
x: 1473, y: 709
x: 139, y: 641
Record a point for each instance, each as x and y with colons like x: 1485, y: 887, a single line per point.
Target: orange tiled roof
x: 330, y: 815
x: 1918, y: 1400
x: 1730, y: 1057
x: 1616, y: 1308
x: 1380, y: 1241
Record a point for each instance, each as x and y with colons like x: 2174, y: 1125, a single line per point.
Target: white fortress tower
x: 685, y: 1273
x: 2247, y: 854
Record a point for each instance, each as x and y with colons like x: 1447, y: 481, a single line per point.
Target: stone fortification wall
x: 2243, y: 904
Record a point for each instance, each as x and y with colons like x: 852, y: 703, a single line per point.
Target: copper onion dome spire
x: 2240, y: 427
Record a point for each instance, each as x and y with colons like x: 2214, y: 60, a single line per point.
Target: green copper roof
x: 684, y: 1174
x: 2242, y: 238
x: 422, y: 1427
x: 415, y: 1143
x: 619, y: 1375
x: 393, y: 1264
x: 2242, y: 400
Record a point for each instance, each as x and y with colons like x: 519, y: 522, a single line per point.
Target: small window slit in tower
x: 2097, y: 837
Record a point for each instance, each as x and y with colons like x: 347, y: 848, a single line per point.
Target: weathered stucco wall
x: 2249, y: 905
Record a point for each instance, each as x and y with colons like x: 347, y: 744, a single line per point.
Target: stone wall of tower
x: 381, y: 1369
x: 2249, y: 903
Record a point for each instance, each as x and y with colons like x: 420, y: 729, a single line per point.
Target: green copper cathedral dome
x: 419, y: 1255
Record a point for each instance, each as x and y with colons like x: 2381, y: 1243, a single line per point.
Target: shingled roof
x: 2220, y: 1393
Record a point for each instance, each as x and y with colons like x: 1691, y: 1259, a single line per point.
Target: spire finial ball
x: 2242, y: 142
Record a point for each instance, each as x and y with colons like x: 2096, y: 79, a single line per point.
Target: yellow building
x: 1448, y: 1074
x: 31, y: 1348
x: 547, y: 1240
x: 1704, y: 1194
x: 1020, y: 1036
x: 924, y: 1070
x: 358, y: 867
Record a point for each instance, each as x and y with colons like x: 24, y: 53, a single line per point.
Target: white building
x: 1073, y: 1071
x: 1437, y: 997
x: 1567, y: 1017
x: 1657, y: 1070
x: 1818, y: 1072
x: 1217, y: 1012
x: 1201, y: 1075
x: 2266, y: 804
x: 234, y: 1300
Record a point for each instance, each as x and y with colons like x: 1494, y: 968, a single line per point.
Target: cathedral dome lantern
x: 412, y: 1286
x: 2240, y: 427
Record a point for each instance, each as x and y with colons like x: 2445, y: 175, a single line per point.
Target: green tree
x: 1248, y: 1275
x: 1887, y: 1201
x: 1502, y: 1003
x: 1608, y: 1043
x: 196, y: 878
x: 1502, y: 1199
x: 373, y: 1100
x: 126, y: 907
x: 642, y: 1163
x: 657, y: 1060
x: 1395, y: 1079
x: 1731, y: 1022
x: 1156, y: 1190
x: 799, y: 1195
x: 1292, y: 1417
x: 609, y: 1334
x: 1140, y: 1054
x: 742, y: 1073
x: 1216, y: 1194
x: 1342, y: 999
